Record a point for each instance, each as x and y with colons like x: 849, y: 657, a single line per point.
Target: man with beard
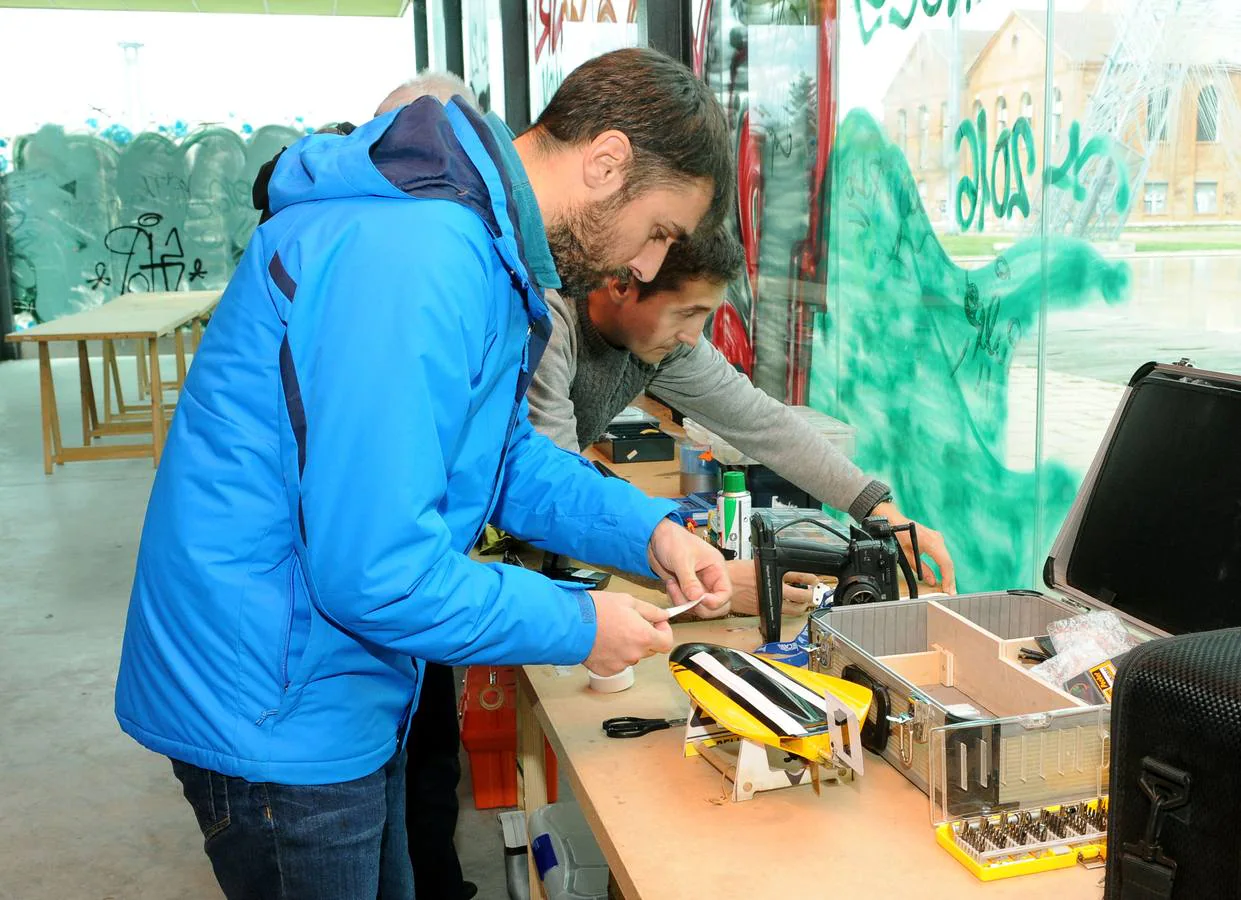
x: 625, y: 337
x: 353, y: 418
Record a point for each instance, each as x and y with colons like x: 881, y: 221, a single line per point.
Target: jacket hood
x: 410, y: 152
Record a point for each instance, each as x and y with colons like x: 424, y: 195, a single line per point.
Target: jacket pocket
x: 295, y: 645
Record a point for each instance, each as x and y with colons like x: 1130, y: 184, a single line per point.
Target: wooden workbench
x: 666, y: 829
x: 144, y: 318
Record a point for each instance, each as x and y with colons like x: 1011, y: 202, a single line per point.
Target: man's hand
x: 930, y: 543
x: 691, y: 568
x: 627, y: 630
x: 797, y: 600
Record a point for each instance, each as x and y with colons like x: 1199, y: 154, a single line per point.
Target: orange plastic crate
x: 489, y: 735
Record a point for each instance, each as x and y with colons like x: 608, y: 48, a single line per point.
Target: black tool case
x: 1154, y: 535
x: 1176, y: 789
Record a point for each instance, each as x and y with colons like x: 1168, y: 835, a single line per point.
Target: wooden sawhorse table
x: 144, y: 318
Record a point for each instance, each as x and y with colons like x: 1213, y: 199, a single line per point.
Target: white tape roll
x: 612, y: 684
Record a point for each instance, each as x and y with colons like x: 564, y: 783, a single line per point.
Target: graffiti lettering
x: 85, y: 220
x: 101, y: 277
x: 989, y: 339
x: 930, y: 9
x: 983, y: 188
x: 164, y: 188
x: 1068, y: 175
x: 140, y: 269
x: 551, y: 21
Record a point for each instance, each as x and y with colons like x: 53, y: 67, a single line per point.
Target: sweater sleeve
x: 551, y: 410
x: 704, y: 386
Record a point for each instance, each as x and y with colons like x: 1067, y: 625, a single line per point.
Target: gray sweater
x: 583, y: 382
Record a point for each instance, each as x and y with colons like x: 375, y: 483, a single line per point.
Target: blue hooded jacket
x: 353, y: 417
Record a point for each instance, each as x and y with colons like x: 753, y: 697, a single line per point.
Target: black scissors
x: 632, y: 726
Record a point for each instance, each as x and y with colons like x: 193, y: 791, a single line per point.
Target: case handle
x: 875, y: 731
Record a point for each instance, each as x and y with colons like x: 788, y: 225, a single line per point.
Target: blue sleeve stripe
x: 297, y: 418
x: 280, y: 275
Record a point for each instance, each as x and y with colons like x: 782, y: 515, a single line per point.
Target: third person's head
x: 651, y: 319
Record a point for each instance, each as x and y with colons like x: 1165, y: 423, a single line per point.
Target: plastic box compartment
x: 569, y: 862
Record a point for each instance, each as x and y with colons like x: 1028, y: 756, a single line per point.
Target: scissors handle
x: 633, y: 726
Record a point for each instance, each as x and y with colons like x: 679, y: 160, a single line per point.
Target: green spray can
x: 733, y: 515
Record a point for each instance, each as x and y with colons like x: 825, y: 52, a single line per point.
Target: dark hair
x: 674, y: 123
x: 716, y: 256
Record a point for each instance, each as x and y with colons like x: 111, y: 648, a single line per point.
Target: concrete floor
x: 86, y: 813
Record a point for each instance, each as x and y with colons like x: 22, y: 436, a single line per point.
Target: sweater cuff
x: 872, y: 495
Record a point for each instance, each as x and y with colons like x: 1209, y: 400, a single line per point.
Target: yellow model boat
x: 766, y: 701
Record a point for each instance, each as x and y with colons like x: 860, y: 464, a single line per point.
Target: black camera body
x: 864, y: 561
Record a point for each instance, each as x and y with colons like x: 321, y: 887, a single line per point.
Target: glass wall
x: 1026, y: 205
x: 129, y: 141
x: 771, y: 66
x: 563, y: 34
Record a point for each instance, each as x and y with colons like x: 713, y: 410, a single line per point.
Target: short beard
x: 582, y: 244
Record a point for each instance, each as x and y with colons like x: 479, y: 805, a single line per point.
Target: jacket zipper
x: 288, y: 639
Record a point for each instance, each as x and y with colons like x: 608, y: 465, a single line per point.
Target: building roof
x: 972, y: 43
x: 939, y: 41
x: 1084, y: 37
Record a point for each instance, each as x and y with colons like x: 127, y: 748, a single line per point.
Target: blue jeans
x: 304, y: 842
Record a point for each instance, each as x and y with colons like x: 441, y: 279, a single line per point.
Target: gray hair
x: 443, y: 86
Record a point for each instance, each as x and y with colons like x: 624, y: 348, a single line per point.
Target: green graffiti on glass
x: 919, y: 353
x: 930, y: 8
x: 982, y: 186
x: 85, y: 220
x: 1068, y: 175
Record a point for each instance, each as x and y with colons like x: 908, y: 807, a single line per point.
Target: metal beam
x: 7, y: 351
x: 516, y: 65
x: 667, y: 25
x: 422, y: 56
x: 454, y: 49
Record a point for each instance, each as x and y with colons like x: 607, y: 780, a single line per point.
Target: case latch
x: 820, y: 654
x: 912, y: 727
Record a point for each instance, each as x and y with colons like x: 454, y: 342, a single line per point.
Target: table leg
x: 47, y: 406
x: 196, y: 333
x: 109, y: 365
x: 140, y: 361
x: 180, y: 342
x: 115, y: 367
x: 90, y: 416
x: 157, y: 403
x: 531, y: 769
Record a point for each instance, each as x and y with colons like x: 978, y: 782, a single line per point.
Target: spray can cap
x: 734, y: 482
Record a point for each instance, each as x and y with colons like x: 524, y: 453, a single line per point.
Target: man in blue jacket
x: 354, y: 417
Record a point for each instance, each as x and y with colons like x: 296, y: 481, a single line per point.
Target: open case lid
x: 1155, y: 531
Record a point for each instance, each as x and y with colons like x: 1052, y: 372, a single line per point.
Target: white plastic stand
x: 748, y: 766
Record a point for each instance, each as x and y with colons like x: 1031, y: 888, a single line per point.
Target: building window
x: 1156, y: 198
x: 1205, y: 193
x: 1001, y: 114
x: 924, y: 136
x: 1057, y: 114
x: 1015, y: 42
x: 902, y: 131
x: 1027, y: 107
x: 1157, y: 116
x: 1208, y: 115
x: 977, y: 107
